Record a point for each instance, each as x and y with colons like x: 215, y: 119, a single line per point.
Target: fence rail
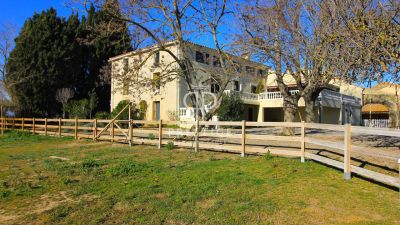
x: 241, y: 140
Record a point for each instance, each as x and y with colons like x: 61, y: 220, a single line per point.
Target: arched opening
x: 375, y: 115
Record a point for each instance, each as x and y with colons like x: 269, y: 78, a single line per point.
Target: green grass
x: 112, y: 183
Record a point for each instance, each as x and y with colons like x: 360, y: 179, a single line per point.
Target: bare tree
x: 307, y: 41
x: 267, y: 35
x: 63, y: 95
x: 7, y: 34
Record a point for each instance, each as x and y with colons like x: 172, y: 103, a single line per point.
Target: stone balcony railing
x: 274, y: 95
x: 325, y: 95
x: 243, y: 95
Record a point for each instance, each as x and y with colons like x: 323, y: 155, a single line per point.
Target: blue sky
x: 17, y: 11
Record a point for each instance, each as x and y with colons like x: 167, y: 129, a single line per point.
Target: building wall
x: 171, y: 95
x: 167, y: 95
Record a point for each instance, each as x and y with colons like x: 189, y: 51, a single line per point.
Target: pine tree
x: 104, y: 38
x: 52, y: 53
x: 41, y: 62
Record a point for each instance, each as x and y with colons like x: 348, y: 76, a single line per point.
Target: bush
x: 78, y: 108
x: 170, y: 145
x: 103, y: 115
x: 173, y: 115
x: 231, y: 108
x: 126, y: 167
x: 125, y: 114
x: 89, y: 164
x: 142, y: 109
x: 151, y: 136
x: 268, y: 155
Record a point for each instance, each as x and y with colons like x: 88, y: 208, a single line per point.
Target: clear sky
x: 17, y: 11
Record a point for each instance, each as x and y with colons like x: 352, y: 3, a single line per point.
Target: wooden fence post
x: 303, y: 142
x: 13, y: 123
x: 243, y: 138
x: 159, y: 134
x: 45, y: 126
x: 94, y: 129
x: 33, y: 125
x: 76, y: 129
x: 347, y: 148
x: 23, y: 124
x: 59, y: 126
x: 398, y: 161
x: 112, y: 132
x: 196, y: 146
x: 1, y: 119
x: 130, y: 132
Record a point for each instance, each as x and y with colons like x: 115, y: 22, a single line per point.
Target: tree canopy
x: 52, y: 53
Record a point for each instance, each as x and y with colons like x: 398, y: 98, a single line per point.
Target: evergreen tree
x: 231, y: 109
x: 52, y: 53
x: 103, y: 39
x: 42, y: 62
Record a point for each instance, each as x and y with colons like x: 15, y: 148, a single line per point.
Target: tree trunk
x: 290, y: 108
x: 309, y: 110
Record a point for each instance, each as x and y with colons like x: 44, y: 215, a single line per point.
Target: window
x: 261, y: 72
x: 216, y: 61
x: 237, y: 67
x: 253, y: 89
x: 125, y: 84
x: 236, y: 85
x: 156, y: 59
x: 125, y: 63
x: 125, y: 87
x: 207, y: 59
x: 249, y: 69
x: 199, y: 57
x: 156, y: 81
x: 214, y: 88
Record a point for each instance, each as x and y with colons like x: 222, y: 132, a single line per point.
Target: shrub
x: 151, y: 136
x: 103, y: 115
x: 78, y: 108
x: 89, y: 164
x: 231, y: 108
x: 173, y: 115
x: 260, y: 87
x: 268, y: 155
x: 142, y: 109
x: 126, y: 167
x: 170, y: 145
x: 125, y: 114
x: 213, y: 158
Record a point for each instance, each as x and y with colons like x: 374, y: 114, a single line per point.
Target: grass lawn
x: 108, y: 183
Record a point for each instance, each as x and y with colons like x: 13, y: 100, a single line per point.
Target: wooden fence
x: 242, y: 140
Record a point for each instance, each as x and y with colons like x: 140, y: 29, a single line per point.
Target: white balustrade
x: 380, y: 123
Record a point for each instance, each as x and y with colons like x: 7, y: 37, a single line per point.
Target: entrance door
x: 157, y: 110
x: 250, y: 114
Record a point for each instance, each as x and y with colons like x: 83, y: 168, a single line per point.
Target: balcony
x: 326, y: 98
x: 243, y: 95
x: 274, y: 95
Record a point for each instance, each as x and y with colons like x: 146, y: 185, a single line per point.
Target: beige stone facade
x: 339, y: 105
